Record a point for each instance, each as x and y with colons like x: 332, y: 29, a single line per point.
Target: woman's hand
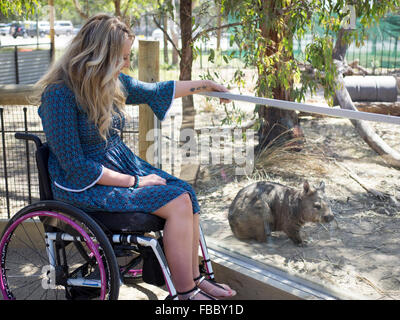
x: 219, y: 88
x: 185, y: 88
x: 151, y: 180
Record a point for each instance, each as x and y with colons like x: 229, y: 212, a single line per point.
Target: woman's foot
x: 194, y: 294
x: 219, y: 291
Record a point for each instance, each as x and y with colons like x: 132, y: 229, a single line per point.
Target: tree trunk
x: 363, y: 128
x: 188, y: 170
x: 78, y: 8
x: 277, y: 125
x: 186, y: 62
x: 174, y: 35
x: 219, y: 20
x: 175, y: 54
x: 165, y: 25
x: 117, y: 5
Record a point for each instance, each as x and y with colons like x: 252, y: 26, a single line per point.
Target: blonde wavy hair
x: 90, y: 67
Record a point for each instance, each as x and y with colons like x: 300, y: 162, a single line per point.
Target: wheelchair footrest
x: 155, y: 267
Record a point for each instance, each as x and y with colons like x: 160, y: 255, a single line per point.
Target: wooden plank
x: 149, y: 69
x: 16, y: 94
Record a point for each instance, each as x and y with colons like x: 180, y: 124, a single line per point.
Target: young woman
x: 82, y: 111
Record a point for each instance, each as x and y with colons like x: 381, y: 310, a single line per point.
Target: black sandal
x: 201, y: 278
x: 195, y: 291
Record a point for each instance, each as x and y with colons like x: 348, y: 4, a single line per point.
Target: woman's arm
x: 185, y: 88
x: 114, y: 178
x: 182, y: 89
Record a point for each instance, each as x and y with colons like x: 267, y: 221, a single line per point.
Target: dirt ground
x: 358, y: 252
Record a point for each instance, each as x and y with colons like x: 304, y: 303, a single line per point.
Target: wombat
x: 264, y: 206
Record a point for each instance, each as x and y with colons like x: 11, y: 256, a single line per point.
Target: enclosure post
x: 148, y: 63
x: 28, y: 166
x: 51, y: 15
x: 16, y: 64
x: 3, y: 140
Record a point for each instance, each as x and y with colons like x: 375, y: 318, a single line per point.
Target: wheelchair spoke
x: 38, y: 266
x: 26, y: 287
x: 38, y: 231
x: 31, y: 249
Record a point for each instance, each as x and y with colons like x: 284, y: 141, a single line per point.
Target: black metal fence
x: 378, y: 54
x: 24, y: 64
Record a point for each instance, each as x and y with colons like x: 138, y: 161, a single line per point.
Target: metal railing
x: 378, y: 55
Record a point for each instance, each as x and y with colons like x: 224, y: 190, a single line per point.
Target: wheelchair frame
x: 53, y: 213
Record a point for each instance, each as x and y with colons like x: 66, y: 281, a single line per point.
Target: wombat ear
x: 322, y: 186
x: 306, y: 186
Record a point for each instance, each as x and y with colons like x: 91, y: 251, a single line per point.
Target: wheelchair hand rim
x: 87, y: 238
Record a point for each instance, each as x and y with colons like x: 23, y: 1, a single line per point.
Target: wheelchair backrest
x: 42, y: 157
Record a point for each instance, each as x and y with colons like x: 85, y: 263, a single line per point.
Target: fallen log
x: 364, y: 129
x: 389, y: 108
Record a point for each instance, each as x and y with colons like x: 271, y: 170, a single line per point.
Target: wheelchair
x: 53, y: 250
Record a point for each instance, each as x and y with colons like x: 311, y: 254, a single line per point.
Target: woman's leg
x: 211, y: 288
x: 178, y: 242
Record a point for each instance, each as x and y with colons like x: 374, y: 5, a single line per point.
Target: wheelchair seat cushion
x: 118, y: 222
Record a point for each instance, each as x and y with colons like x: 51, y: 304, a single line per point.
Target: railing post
x: 28, y: 167
x: 52, y: 32
x: 149, y: 71
x: 3, y: 140
x: 16, y: 65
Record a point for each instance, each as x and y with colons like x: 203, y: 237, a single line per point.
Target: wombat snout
x: 327, y: 217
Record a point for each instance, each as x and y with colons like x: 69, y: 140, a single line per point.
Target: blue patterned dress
x: 78, y: 153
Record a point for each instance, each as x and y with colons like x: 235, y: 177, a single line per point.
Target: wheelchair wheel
x: 56, y: 254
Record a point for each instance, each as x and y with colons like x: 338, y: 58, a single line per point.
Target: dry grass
x: 282, y: 156
x: 279, y: 157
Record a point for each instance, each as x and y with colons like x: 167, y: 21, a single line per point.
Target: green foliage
x: 130, y: 10
x: 319, y: 55
x: 18, y: 7
x: 266, y: 35
x: 65, y: 9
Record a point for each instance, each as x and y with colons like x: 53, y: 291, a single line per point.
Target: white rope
x: 289, y: 105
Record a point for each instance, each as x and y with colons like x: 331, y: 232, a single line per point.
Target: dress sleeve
x: 159, y: 95
x: 59, y: 115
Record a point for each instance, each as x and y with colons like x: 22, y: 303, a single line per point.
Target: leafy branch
x: 18, y: 7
